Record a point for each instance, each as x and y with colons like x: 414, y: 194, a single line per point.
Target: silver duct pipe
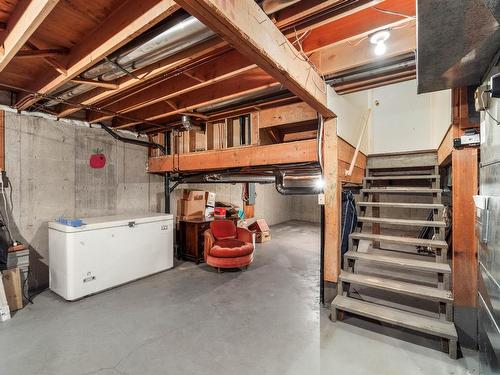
x: 171, y: 37
x: 165, y: 40
x: 229, y: 179
x: 370, y: 73
x: 299, y: 182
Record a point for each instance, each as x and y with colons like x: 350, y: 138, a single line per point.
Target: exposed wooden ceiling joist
x: 287, y: 114
x: 225, y: 66
x: 285, y: 17
x: 253, y: 81
x: 197, y: 53
x: 26, y: 18
x: 124, y: 24
x: 347, y: 55
x: 247, y: 28
x: 361, y: 23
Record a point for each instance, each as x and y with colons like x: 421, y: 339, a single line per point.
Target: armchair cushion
x: 244, y: 235
x: 230, y: 248
x: 223, y: 229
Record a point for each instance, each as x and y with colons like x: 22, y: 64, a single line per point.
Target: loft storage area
x: 288, y: 186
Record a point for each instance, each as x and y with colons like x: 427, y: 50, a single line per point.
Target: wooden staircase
x: 401, y: 187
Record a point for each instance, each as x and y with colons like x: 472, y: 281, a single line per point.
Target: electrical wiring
x: 488, y: 112
x: 394, y: 13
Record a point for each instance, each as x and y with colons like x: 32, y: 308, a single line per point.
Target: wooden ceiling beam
x: 106, y: 85
x: 361, y: 23
x: 124, y: 24
x: 248, y: 29
x: 285, y: 18
x: 253, y: 81
x: 26, y: 18
x: 226, y: 66
x: 247, y: 156
x: 287, y: 114
x: 41, y: 53
x: 169, y: 64
x: 307, y: 15
x: 341, y: 57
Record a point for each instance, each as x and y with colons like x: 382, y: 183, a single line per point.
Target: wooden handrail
x: 355, y: 156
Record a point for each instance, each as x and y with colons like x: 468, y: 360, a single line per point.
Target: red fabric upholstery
x: 244, y: 235
x: 230, y: 262
x: 230, y: 248
x: 222, y: 229
x: 227, y: 246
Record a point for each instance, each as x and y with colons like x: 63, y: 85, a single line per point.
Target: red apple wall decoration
x: 97, y: 159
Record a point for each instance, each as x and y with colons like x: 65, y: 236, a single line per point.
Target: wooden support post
x: 465, y: 185
x: 2, y: 140
x: 332, y: 202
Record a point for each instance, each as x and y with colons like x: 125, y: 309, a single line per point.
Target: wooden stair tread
x: 402, y: 205
x: 407, y: 177
x: 401, y: 190
x: 415, y: 290
x: 437, y: 244
x: 397, y: 317
x: 383, y: 220
x: 405, y: 263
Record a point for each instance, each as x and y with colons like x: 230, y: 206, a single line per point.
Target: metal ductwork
x: 160, y: 42
x: 215, y: 178
x: 166, y: 39
x: 356, y: 75
x: 299, y: 182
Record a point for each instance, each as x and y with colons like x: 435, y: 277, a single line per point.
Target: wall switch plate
x: 321, y: 199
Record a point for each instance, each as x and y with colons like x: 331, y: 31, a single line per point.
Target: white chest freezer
x: 108, y: 251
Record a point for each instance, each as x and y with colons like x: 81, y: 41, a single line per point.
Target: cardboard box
x: 193, y: 195
x: 191, y: 208
x: 210, y: 199
x: 13, y: 288
x: 259, y: 225
x: 261, y: 237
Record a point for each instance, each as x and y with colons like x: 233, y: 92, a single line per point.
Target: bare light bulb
x: 380, y: 48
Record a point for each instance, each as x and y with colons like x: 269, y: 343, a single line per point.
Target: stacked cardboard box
x: 192, y: 205
x: 261, y: 230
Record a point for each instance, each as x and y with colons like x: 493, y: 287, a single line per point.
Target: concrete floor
x: 191, y: 320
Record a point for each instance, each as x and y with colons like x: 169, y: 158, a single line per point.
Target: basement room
x: 249, y: 187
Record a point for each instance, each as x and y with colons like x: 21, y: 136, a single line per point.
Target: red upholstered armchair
x: 228, y: 246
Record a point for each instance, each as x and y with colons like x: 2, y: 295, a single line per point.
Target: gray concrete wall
x: 306, y: 208
x: 47, y: 164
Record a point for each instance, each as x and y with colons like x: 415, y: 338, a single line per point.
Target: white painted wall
x: 405, y: 121
x: 351, y: 110
x: 402, y: 120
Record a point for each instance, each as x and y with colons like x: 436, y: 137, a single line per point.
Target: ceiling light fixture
x: 378, y: 39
